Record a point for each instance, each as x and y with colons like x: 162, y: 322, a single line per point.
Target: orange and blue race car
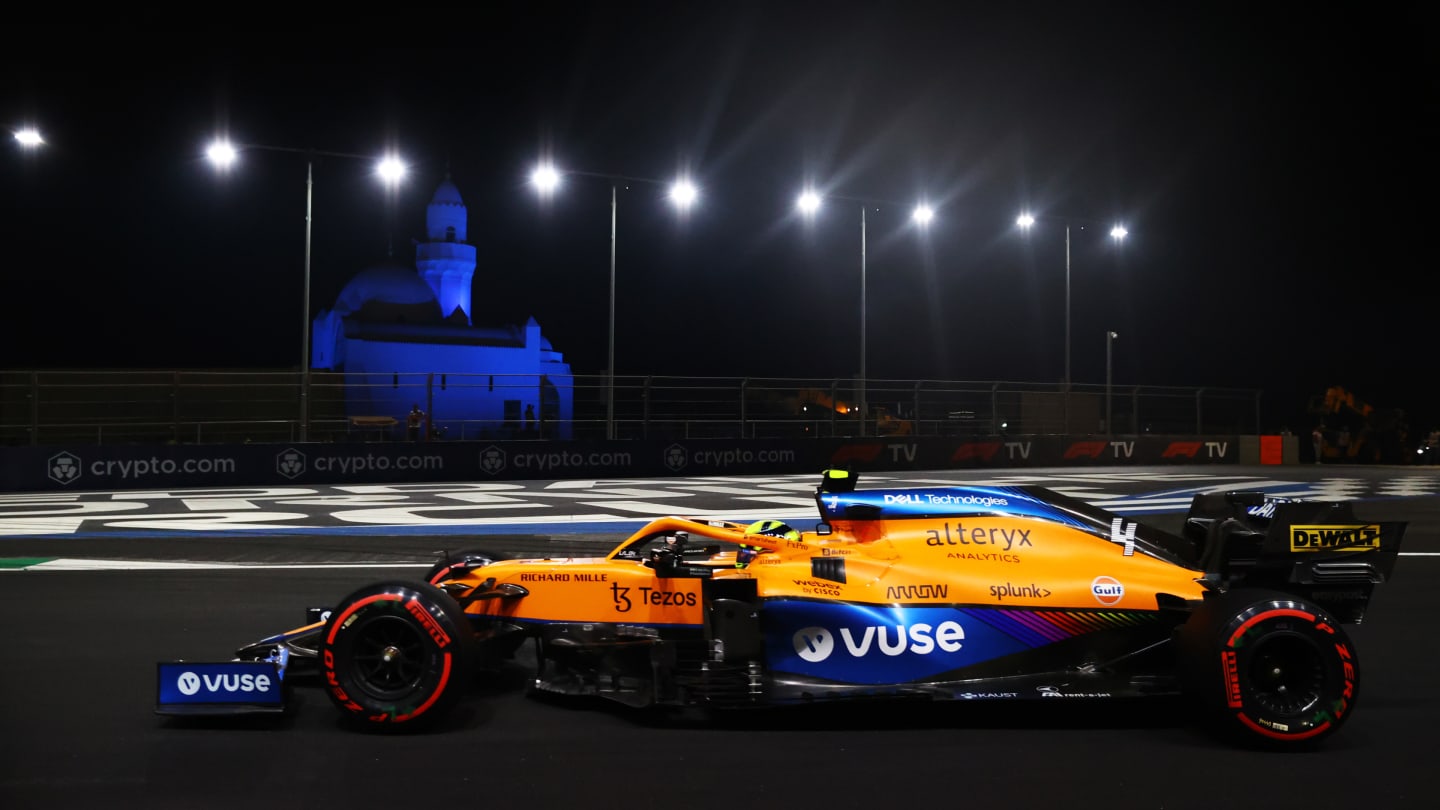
x: 965, y: 593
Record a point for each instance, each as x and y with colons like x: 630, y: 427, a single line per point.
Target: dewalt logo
x: 1334, y: 538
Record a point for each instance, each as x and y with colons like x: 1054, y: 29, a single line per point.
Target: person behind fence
x: 414, y: 422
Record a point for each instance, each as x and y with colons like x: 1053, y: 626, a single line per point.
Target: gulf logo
x: 1107, y: 590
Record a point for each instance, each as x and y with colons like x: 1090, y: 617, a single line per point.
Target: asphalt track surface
x: 81, y: 643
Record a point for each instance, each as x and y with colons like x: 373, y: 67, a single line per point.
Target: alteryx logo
x: 63, y: 468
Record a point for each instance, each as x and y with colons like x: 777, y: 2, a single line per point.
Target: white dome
x: 388, y: 293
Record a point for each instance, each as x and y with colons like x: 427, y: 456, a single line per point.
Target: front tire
x: 396, y: 656
x: 1270, y: 669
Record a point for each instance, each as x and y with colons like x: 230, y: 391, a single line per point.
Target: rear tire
x: 396, y: 656
x: 1269, y: 669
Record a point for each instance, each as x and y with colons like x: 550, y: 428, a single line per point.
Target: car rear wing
x: 1317, y: 549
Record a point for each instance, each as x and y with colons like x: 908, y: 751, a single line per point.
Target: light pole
x: 224, y: 154
x: 546, y: 179
x: 1118, y: 233
x: 809, y: 203
x: 1109, y: 344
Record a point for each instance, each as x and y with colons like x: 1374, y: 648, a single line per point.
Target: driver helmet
x: 769, y: 528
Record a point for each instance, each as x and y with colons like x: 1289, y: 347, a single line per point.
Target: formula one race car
x: 946, y: 593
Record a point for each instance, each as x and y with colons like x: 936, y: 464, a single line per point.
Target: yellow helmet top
x: 771, y: 528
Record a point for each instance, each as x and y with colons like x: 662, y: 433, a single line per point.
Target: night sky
x: 1269, y: 160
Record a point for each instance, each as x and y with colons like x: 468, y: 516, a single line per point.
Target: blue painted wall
x: 392, y: 327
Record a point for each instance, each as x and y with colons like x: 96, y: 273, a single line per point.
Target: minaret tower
x: 446, y: 262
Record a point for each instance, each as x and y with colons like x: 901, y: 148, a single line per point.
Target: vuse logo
x: 190, y: 684
x: 815, y: 644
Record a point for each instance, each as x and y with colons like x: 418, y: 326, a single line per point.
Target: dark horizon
x: 1259, y: 160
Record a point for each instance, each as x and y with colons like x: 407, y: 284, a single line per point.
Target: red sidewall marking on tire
x: 340, y: 620
x: 1240, y: 631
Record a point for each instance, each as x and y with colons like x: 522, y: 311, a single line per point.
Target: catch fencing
x: 72, y: 407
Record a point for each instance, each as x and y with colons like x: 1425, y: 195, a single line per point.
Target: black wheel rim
x: 1286, y: 675
x: 389, y: 656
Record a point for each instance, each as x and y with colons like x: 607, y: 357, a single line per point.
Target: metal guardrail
x: 219, y: 407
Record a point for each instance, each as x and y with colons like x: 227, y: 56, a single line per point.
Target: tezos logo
x: 63, y: 468
x: 1107, y: 590
x: 492, y: 460
x: 290, y: 462
x: 675, y: 457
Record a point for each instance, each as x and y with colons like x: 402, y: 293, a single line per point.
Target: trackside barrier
x: 119, y: 467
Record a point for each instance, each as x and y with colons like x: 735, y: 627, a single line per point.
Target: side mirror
x: 670, y: 566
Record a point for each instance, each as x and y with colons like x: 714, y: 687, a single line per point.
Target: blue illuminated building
x: 404, y: 336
